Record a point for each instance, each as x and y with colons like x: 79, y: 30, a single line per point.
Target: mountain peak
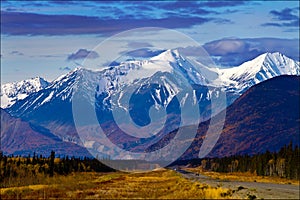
x: 12, y: 92
x: 277, y: 58
x: 71, y: 74
x: 261, y: 68
x: 274, y: 54
x: 41, y: 81
x: 170, y: 55
x: 268, y: 55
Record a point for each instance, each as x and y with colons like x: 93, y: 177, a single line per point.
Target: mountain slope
x: 21, y: 138
x: 266, y: 117
x: 12, y: 92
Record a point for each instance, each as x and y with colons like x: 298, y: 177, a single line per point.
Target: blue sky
x: 49, y: 38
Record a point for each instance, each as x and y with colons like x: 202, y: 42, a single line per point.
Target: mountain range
x: 133, y: 87
x: 236, y: 79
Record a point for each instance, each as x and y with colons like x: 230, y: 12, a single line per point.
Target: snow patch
x: 48, y: 98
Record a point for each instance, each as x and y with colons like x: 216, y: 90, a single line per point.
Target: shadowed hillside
x: 266, y: 117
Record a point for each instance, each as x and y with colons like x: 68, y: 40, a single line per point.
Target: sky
x: 50, y: 38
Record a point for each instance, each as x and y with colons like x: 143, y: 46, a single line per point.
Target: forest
x: 285, y: 163
x: 19, y: 171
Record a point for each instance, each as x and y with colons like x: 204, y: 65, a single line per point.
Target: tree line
x: 32, y: 168
x: 284, y: 163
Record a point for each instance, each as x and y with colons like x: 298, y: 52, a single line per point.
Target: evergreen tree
x: 51, y: 164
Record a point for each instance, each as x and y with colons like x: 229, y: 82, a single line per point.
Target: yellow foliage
x: 156, y: 184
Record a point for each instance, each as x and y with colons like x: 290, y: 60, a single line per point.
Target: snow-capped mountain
x: 133, y: 87
x: 159, y: 79
x: 169, y: 69
x: 12, y: 92
x: 116, y: 79
x: 52, y: 107
x: 264, y: 67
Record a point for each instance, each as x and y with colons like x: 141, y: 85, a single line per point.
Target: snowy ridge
x: 169, y: 67
x: 12, y: 92
x: 264, y: 67
x: 159, y: 69
x: 61, y: 89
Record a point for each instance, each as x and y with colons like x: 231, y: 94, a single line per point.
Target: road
x: 244, y: 189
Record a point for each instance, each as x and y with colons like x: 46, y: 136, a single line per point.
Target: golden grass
x: 156, y: 184
x: 244, y: 176
x: 30, y: 187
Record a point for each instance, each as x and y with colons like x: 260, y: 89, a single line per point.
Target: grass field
x: 156, y: 184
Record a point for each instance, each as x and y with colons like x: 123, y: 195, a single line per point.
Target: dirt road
x: 248, y: 189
